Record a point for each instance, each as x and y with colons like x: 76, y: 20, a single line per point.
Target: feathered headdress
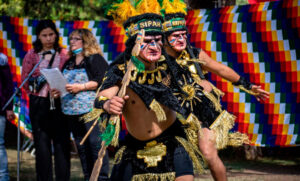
x: 143, y: 14
x: 173, y: 12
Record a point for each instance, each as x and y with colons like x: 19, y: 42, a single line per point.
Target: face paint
x: 151, y: 48
x: 178, y: 40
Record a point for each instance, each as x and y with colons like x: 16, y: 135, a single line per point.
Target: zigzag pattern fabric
x: 260, y: 42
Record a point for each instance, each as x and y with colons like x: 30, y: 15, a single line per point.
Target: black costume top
x: 190, y: 94
x: 148, y: 84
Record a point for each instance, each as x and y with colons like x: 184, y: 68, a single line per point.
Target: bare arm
x: 229, y: 74
x: 221, y: 70
x: 114, y: 104
x: 75, y: 88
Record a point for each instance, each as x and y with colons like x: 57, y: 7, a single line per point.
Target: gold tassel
x: 119, y: 155
x: 102, y: 125
x: 192, y: 130
x: 115, y: 140
x: 217, y: 91
x: 198, y: 161
x: 238, y: 139
x: 221, y: 127
x: 154, y: 176
x: 93, y: 115
x: 159, y: 111
x: 248, y: 91
x: 215, y: 100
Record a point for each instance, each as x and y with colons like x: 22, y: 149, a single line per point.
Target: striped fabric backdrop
x: 260, y: 42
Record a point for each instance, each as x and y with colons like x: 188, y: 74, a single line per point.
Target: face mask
x: 77, y: 51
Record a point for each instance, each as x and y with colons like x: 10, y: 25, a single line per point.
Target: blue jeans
x: 88, y: 152
x: 4, y: 176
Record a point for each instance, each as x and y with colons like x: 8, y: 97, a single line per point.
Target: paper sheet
x: 55, y: 80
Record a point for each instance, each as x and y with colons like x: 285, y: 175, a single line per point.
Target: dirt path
x: 266, y: 169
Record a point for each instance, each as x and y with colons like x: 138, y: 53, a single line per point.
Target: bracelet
x: 99, y: 102
x: 244, y: 85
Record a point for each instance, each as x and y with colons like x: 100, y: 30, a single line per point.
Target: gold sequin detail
x: 152, y: 153
x: 158, y: 110
x: 154, y: 176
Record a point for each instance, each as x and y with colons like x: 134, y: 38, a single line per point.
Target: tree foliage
x: 55, y: 9
x: 76, y: 9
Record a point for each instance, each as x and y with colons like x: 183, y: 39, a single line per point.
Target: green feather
x: 138, y: 64
x: 108, y: 134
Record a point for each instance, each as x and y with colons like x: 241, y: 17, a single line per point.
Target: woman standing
x: 46, y: 120
x: 84, y: 72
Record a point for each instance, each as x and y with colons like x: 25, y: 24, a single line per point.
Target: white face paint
x: 151, y: 48
x: 178, y: 40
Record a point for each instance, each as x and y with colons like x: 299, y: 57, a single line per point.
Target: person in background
x: 46, y: 120
x: 6, y: 91
x: 84, y: 72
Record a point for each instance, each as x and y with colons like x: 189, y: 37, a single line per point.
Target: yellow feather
x: 176, y: 7
x: 148, y: 6
x: 180, y: 6
x: 122, y: 11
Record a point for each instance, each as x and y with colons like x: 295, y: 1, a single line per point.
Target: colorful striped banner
x: 259, y: 41
x: 262, y: 43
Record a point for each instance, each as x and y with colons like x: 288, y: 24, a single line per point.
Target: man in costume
x: 198, y: 96
x: 157, y: 147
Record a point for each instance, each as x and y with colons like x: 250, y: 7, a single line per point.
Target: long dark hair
x: 43, y: 24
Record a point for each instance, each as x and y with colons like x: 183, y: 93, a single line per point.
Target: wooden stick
x: 89, y: 132
x: 113, y: 119
x: 98, y: 163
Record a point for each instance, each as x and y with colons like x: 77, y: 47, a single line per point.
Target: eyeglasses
x: 75, y: 39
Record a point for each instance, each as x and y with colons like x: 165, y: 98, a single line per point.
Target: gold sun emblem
x: 193, y: 92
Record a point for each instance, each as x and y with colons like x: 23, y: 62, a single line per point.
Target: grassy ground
x: 266, y: 168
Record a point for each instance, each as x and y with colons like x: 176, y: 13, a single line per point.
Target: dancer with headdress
x: 157, y: 146
x: 198, y: 96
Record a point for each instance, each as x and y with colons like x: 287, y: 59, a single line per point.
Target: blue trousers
x: 88, y: 152
x: 4, y: 176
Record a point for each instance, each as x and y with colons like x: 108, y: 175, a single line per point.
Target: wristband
x: 243, y: 82
x: 244, y: 85
x: 99, y: 102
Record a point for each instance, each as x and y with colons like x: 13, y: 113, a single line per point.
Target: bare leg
x: 185, y: 178
x: 210, y: 153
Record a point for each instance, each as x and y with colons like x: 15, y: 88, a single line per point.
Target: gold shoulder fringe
x: 159, y: 111
x: 154, y: 177
x: 194, y: 153
x: 93, y: 115
x: 221, y: 127
x: 119, y: 155
x: 246, y: 90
